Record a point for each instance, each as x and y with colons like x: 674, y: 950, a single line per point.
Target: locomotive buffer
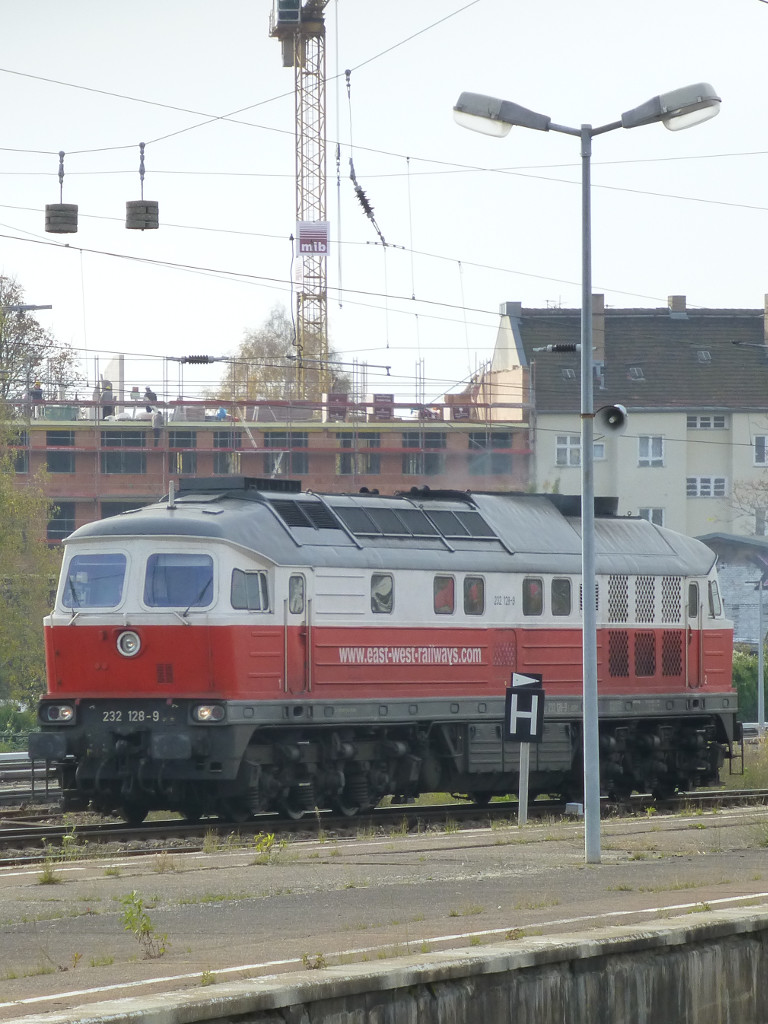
x: 524, y: 720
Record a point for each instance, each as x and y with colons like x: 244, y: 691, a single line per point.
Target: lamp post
x: 681, y: 108
x: 759, y: 586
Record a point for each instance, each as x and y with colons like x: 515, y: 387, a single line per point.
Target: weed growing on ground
x: 268, y: 849
x: 101, y: 961
x: 515, y: 933
x: 314, y: 963
x: 164, y: 861
x: 49, y: 875
x: 137, y: 921
x: 207, y: 978
x: 112, y: 872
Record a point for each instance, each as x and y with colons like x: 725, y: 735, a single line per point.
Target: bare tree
x: 264, y: 366
x: 28, y: 353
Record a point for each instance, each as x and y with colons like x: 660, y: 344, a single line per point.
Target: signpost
x: 524, y: 721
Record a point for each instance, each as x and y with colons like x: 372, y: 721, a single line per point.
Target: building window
x: 760, y: 450
x: 123, y: 439
x: 760, y: 524
x: 287, y: 459
x: 227, y: 439
x: 568, y: 450
x: 116, y: 508
x: 182, y: 439
x: 361, y: 462
x: 18, y: 443
x: 226, y: 463
x: 62, y: 523
x: 423, y: 463
x: 653, y: 515
x: 60, y: 438
x: 709, y: 422
x: 182, y: 463
x: 60, y: 462
x: 705, y: 487
x: 484, y: 458
x: 120, y: 462
x: 226, y: 456
x: 650, y: 450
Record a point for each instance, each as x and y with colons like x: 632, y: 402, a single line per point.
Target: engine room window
x: 178, y: 581
x: 382, y: 593
x: 533, y: 596
x: 715, y: 604
x: 249, y: 590
x: 443, y: 591
x: 561, y: 596
x: 474, y: 595
x: 296, y: 595
x: 94, y: 581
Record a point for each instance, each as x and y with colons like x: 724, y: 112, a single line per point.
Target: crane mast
x: 300, y: 27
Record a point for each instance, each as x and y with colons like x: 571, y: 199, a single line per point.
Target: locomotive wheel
x: 480, y: 799
x: 291, y: 810
x: 235, y: 811
x: 133, y: 813
x: 343, y: 807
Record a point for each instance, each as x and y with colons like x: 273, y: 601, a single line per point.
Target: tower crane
x: 300, y: 27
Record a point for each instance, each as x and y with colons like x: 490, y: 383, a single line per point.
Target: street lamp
x: 759, y: 587
x: 681, y: 108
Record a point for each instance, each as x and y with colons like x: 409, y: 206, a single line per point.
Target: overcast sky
x: 470, y: 221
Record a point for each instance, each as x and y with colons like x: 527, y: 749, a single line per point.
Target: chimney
x: 515, y: 309
x: 676, y: 305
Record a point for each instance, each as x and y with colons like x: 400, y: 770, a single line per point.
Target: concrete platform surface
x: 254, y: 910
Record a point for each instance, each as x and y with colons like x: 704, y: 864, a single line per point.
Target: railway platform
x: 276, y: 932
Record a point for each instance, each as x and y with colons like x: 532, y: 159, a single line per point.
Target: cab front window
x: 94, y: 581
x: 178, y: 581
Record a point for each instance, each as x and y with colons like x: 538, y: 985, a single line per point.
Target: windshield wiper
x: 199, y: 597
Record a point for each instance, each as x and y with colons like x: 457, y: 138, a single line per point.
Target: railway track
x: 25, y: 840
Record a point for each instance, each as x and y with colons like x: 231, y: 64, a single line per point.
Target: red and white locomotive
x: 244, y: 646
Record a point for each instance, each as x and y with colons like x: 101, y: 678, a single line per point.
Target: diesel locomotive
x: 244, y: 646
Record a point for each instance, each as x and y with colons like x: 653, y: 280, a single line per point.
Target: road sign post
x: 524, y: 722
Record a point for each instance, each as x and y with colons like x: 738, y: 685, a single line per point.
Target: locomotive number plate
x: 124, y: 714
x: 130, y: 715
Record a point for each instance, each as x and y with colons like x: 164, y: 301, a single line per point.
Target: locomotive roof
x: 455, y: 530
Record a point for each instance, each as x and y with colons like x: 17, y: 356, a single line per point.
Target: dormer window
x: 704, y: 357
x: 568, y: 373
x: 636, y: 373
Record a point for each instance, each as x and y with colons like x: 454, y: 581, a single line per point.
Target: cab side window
x: 560, y: 595
x: 715, y: 604
x: 693, y: 600
x: 474, y: 595
x: 249, y: 591
x: 533, y: 596
x: 382, y: 593
x: 444, y: 595
x: 296, y: 597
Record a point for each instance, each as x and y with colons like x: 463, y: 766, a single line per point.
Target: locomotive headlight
x: 208, y: 713
x: 129, y: 643
x: 57, y: 713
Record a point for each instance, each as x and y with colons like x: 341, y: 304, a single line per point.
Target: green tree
x: 264, y: 366
x: 745, y: 682
x: 28, y: 352
x: 27, y: 570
